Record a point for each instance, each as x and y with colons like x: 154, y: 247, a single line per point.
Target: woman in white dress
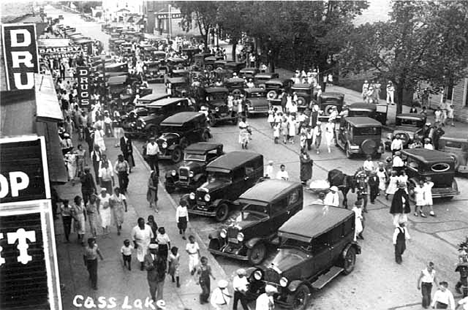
x: 392, y: 184
x: 382, y: 175
x: 292, y: 129
x: 141, y: 236
x: 104, y: 210
x: 419, y: 197
x: 358, y: 220
x: 329, y: 134
x: 244, y: 133
x: 99, y: 138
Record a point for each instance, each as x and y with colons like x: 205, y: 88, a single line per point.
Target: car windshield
x: 195, y: 157
x: 409, y: 122
x: 367, y: 131
x: 256, y: 94
x: 154, y: 110
x: 214, y: 176
x: 253, y: 212
x: 293, y: 256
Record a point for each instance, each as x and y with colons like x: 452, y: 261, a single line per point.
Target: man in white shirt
x: 397, y: 144
x: 443, y: 298
x: 332, y: 198
x: 397, y: 163
x: 152, y: 152
x: 368, y: 165
x: 269, y: 170
x: 240, y: 285
x: 282, y: 174
x: 265, y: 301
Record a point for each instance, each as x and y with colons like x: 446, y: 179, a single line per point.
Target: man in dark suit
x: 156, y: 267
x: 126, y: 147
x: 88, y: 187
x: 373, y: 186
x: 96, y: 157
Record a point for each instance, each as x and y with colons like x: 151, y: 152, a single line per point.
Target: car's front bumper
x: 231, y: 252
x: 442, y: 192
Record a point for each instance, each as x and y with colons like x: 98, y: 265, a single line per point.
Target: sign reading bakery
x: 20, y: 51
x: 29, y: 277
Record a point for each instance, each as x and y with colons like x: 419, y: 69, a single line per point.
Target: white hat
x: 153, y: 246
x: 334, y: 188
x: 270, y: 289
x: 270, y: 162
x: 241, y: 272
x: 222, y: 283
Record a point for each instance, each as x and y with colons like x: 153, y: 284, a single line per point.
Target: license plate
x: 183, y: 177
x: 233, y: 240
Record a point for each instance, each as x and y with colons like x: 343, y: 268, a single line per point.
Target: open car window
x: 254, y: 212
x: 367, y: 131
x: 195, y: 157
x: 218, y: 176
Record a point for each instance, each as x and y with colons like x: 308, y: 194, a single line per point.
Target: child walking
x: 276, y: 132
x: 204, y: 273
x: 193, y: 250
x: 174, y: 264
x: 182, y: 217
x: 127, y: 250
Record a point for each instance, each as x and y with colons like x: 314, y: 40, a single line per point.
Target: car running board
x: 327, y: 277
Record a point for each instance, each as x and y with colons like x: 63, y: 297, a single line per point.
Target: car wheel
x: 170, y: 189
x: 212, y: 121
x: 328, y: 109
x: 349, y: 261
x: 349, y: 155
x: 368, y: 146
x: 300, y: 299
x: 301, y: 102
x: 257, y: 254
x: 222, y: 212
x: 272, y: 95
x: 236, y: 92
x: 177, y: 155
x: 205, y: 136
x: 209, y: 67
x: 214, y: 245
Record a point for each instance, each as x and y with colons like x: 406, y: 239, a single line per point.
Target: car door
x: 283, y: 208
x: 239, y: 184
x: 321, y: 254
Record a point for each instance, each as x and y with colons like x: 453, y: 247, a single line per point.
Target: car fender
x: 349, y: 246
x: 172, y: 146
x: 217, y: 202
x: 169, y: 177
x: 252, y: 242
x: 197, y: 177
x: 292, y: 287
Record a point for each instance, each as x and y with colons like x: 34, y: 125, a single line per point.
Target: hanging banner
x: 20, y: 52
x: 84, y: 82
x: 29, y: 277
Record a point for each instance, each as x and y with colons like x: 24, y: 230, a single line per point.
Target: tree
x: 423, y: 41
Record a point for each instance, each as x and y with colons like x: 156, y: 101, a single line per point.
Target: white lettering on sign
x: 102, y: 302
x: 18, y: 34
x: 23, y: 57
x: 2, y: 260
x: 18, y: 78
x: 22, y: 236
x: 18, y: 181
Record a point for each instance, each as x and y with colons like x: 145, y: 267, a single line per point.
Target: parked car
x: 148, y: 125
x: 228, y: 177
x: 179, y: 131
x: 439, y: 166
x: 316, y: 247
x: 201, y: 62
x: 192, y: 173
x: 248, y: 73
x: 235, y: 66
x: 148, y: 99
x: 218, y: 111
x: 261, y: 78
x: 305, y: 94
x: 328, y: 100
x: 265, y: 207
x: 375, y: 111
x: 235, y: 85
x: 179, y: 85
x: 275, y: 87
x: 458, y: 149
x: 408, y: 126
x: 153, y: 74
x: 360, y: 135
x: 256, y: 101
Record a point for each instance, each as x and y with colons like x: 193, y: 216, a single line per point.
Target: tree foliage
x: 423, y: 41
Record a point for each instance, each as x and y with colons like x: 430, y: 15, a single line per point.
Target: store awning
x: 47, y: 105
x: 57, y: 170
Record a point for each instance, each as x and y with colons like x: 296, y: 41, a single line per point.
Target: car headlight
x: 240, y: 237
x: 173, y: 172
x: 258, y: 275
x: 143, y: 123
x: 164, y: 144
x: 192, y: 196
x: 191, y: 174
x: 207, y: 197
x: 389, y: 136
x: 217, y: 109
x: 223, y: 233
x: 283, y: 282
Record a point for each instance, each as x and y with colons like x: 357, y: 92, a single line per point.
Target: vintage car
x: 175, y: 63
x: 192, y: 173
x: 260, y: 78
x: 179, y: 85
x: 275, y: 87
x: 328, y: 100
x: 439, y: 166
x: 179, y: 131
x: 235, y: 66
x: 228, y: 177
x: 145, y: 100
x: 458, y: 149
x: 182, y: 73
x: 408, y: 126
x: 305, y: 94
x: 375, y: 111
x: 256, y: 101
x: 248, y: 73
x: 360, y: 135
x: 316, y: 247
x: 265, y: 207
x: 200, y: 60
x: 218, y: 111
x: 148, y: 125
x: 235, y: 84
x: 153, y: 72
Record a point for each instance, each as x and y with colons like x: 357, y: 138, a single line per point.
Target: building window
x: 466, y: 92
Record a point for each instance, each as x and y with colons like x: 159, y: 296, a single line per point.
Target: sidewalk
x: 117, y: 284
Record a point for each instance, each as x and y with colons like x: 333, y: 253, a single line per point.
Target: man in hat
x: 240, y: 284
x: 399, y: 241
x: 400, y: 205
x: 156, y: 267
x: 332, y: 198
x: 265, y: 301
x: 390, y: 93
x: 220, y: 297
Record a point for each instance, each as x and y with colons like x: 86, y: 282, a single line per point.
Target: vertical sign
x: 29, y: 277
x: 84, y: 95
x: 20, y: 50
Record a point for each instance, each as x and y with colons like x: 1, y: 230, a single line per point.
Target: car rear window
x: 440, y: 167
x: 367, y: 131
x: 453, y: 144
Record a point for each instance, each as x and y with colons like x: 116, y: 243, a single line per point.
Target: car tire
x: 236, y: 92
x: 368, y: 146
x: 301, y: 102
x: 222, y: 212
x: 177, y: 155
x: 205, y: 136
x: 299, y: 300
x: 328, y: 109
x: 349, y: 155
x: 257, y: 253
x: 214, y: 245
x: 170, y: 189
x: 349, y: 261
x: 271, y: 95
x: 209, y: 67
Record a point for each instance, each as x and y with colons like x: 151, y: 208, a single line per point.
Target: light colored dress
x: 358, y: 221
x: 105, y: 211
x: 419, y: 195
x: 118, y: 208
x: 382, y: 175
x: 70, y: 160
x: 99, y: 140
x: 142, y: 237
x: 329, y: 128
x: 428, y: 193
x: 79, y: 218
x: 392, y: 185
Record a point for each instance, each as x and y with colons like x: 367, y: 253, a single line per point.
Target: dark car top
x: 360, y: 121
x: 302, y: 86
x: 164, y: 102
x: 277, y: 81
x: 177, y: 80
x: 268, y: 191
x: 331, y: 95
x: 152, y: 97
x: 181, y: 118
x: 232, y: 160
x: 254, y: 90
x: 362, y: 106
x: 214, y: 90
x: 117, y: 80
x: 429, y: 156
x: 313, y: 221
x: 202, y: 147
x: 266, y: 75
x: 235, y: 80
x: 411, y: 116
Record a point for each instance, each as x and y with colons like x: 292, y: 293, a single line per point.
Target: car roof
x: 362, y: 105
x: 456, y: 139
x: 254, y: 90
x: 235, y: 80
x: 180, y: 71
x: 202, y: 147
x: 248, y: 69
x: 265, y: 75
x: 302, y: 85
x: 181, y: 118
x: 232, y: 160
x: 426, y: 155
x: 277, y: 81
x: 313, y: 221
x: 411, y: 116
x: 269, y: 190
x: 165, y: 101
x: 216, y: 90
x: 362, y: 121
x: 331, y: 94
x: 176, y: 80
x: 153, y: 97
x: 116, y: 65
